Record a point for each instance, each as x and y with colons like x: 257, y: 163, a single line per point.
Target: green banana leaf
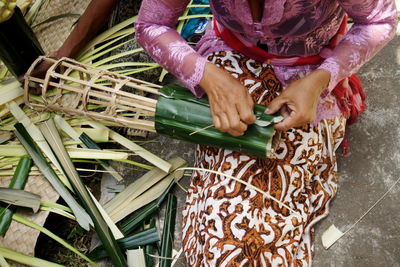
x: 179, y: 114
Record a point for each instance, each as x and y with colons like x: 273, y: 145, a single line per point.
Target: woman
x: 226, y: 223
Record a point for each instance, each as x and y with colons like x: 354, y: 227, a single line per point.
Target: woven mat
x: 22, y: 238
x: 52, y: 35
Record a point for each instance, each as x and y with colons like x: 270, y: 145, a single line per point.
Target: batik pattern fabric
x: 226, y: 223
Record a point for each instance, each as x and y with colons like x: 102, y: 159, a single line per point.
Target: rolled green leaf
x: 18, y: 181
x: 167, y: 240
x: 50, y: 132
x: 181, y: 115
x: 145, y: 237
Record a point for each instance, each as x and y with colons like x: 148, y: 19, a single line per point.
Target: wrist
x: 322, y: 78
x: 209, y: 72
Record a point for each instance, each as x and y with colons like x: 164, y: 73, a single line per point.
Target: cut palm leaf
x: 36, y: 135
x: 59, y: 212
x: 101, y: 48
x: 145, y: 237
x: 3, y: 262
x: 10, y: 90
x: 168, y: 232
x: 151, y: 194
x: 20, y: 198
x: 130, y: 224
x: 73, y: 152
x: 25, y: 259
x: 110, y: 32
x: 61, y: 123
x: 5, y: 136
x: 34, y: 10
x: 150, y: 157
x: 149, y: 249
x: 26, y: 140
x: 53, y: 138
x: 102, y: 53
x: 18, y: 181
x: 116, y: 206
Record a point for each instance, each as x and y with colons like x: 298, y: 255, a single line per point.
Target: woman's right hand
x: 231, y: 104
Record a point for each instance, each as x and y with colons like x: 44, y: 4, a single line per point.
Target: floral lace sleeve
x: 156, y: 34
x: 375, y: 24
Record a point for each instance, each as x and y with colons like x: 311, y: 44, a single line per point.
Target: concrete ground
x: 366, y: 174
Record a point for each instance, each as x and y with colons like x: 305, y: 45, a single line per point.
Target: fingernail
x: 267, y: 111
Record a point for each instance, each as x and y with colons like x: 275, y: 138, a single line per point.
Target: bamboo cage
x: 81, y: 90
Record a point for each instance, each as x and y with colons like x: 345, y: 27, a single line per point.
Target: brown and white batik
x: 226, y: 223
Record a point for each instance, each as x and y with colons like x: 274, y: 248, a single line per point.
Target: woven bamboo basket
x: 74, y: 89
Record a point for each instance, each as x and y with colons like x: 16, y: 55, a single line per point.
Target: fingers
x: 276, y: 104
x: 286, y: 124
x: 293, y: 118
x: 245, y: 110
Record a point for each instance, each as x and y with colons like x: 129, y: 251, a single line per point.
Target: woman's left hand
x: 298, y: 102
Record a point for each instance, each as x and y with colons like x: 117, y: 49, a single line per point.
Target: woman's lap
x: 226, y: 223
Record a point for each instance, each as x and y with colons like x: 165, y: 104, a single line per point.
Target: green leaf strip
x: 18, y: 181
x: 25, y: 259
x: 53, y: 138
x: 56, y: 238
x: 167, y: 240
x: 145, y: 237
x: 26, y: 140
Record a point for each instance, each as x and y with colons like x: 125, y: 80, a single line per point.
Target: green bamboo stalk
x: 51, y: 134
x: 168, y: 232
x: 18, y: 181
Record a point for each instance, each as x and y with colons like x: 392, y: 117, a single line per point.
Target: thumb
x: 276, y: 105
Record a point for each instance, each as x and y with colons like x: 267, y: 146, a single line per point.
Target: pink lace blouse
x: 295, y: 27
